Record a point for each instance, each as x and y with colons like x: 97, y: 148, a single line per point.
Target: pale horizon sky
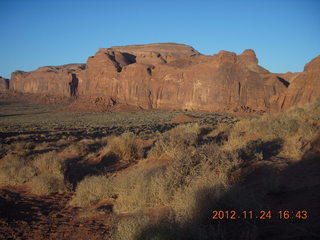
x: 285, y: 34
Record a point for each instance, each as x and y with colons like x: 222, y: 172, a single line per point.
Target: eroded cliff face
x: 304, y: 87
x: 58, y: 81
x: 4, y: 84
x: 164, y: 76
x: 172, y: 76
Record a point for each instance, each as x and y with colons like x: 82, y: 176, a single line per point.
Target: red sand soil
x: 184, y: 118
x: 27, y: 216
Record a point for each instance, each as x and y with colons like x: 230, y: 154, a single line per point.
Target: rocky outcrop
x: 4, y: 84
x: 172, y: 76
x: 288, y: 77
x: 164, y: 76
x: 304, y: 87
x: 59, y: 80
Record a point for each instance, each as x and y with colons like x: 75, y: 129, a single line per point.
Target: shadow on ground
x: 264, y: 187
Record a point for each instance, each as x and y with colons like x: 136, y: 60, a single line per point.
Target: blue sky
x: 285, y: 34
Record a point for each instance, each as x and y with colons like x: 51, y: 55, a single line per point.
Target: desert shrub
x: 66, y: 139
x: 130, y: 228
x: 145, y: 227
x: 172, y: 185
x: 204, y: 175
x: 296, y: 128
x: 91, y: 190
x: 220, y: 128
x: 191, y: 185
x: 136, y: 190
x: 42, y: 146
x: 85, y: 146
x: 21, y: 148
x: 50, y: 164
x: 50, y: 174
x: 15, y: 171
x: 47, y: 184
x: 176, y: 141
x: 124, y: 147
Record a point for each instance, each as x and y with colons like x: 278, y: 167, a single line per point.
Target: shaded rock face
x: 163, y: 76
x: 304, y: 87
x: 4, y: 84
x: 59, y: 80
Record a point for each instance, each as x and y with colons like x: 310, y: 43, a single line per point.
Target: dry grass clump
x: 124, y: 147
x: 47, y: 184
x: 296, y: 128
x: 177, y: 185
x: 142, y: 226
x: 50, y: 164
x: 191, y: 185
x: 131, y: 228
x: 14, y: 171
x: 42, y: 146
x: 21, y: 148
x: 221, y: 128
x: 189, y: 177
x: 85, y: 147
x: 51, y: 174
x: 91, y: 190
x: 175, y: 141
x: 66, y: 140
x: 134, y: 191
x: 172, y: 185
x: 44, y: 175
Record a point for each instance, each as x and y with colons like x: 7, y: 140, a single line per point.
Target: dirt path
x: 26, y: 216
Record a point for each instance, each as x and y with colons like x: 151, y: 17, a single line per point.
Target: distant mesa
x: 173, y: 76
x: 4, y: 84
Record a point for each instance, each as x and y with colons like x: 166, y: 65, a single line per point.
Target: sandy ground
x: 27, y: 216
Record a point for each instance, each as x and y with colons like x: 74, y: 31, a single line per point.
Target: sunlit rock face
x: 175, y: 76
x: 171, y: 76
x: 4, y: 84
x: 58, y: 80
x: 304, y: 87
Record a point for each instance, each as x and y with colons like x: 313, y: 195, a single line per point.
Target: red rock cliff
x: 304, y: 88
x: 4, y: 84
x: 173, y: 76
x: 167, y: 76
x: 47, y: 80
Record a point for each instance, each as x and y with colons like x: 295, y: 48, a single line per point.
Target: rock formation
x: 4, y: 84
x: 304, y: 87
x: 172, y: 76
x: 59, y: 80
x: 169, y: 76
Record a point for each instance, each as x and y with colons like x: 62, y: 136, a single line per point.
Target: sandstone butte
x: 4, y: 84
x: 173, y: 76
